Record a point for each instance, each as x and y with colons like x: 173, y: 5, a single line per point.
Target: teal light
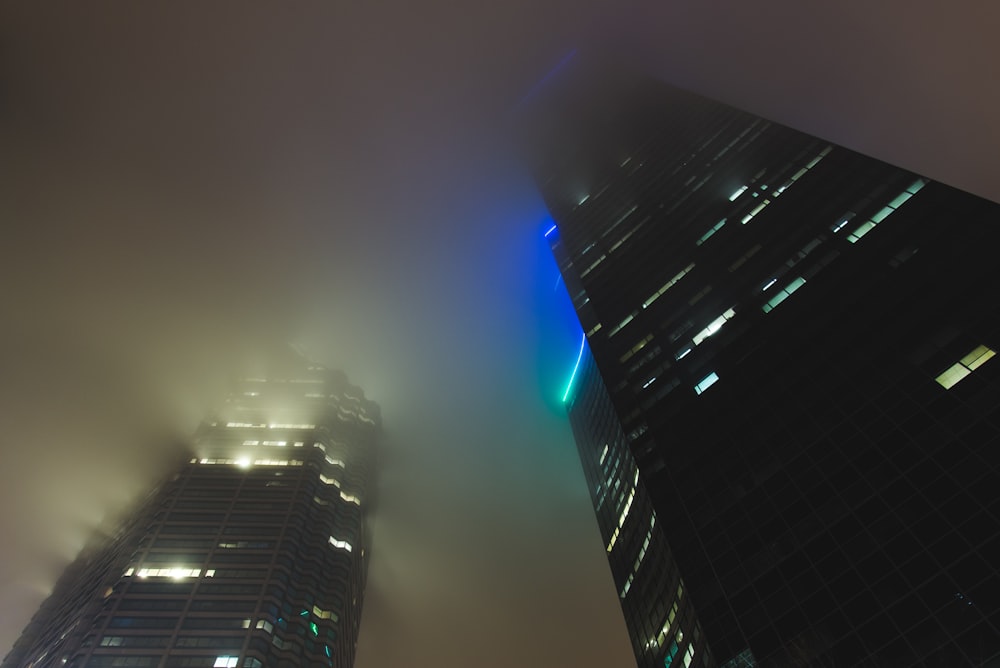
x: 314, y: 628
x: 668, y: 660
x: 579, y: 356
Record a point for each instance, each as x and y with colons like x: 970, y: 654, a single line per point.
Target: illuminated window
x: 754, y: 211
x: 624, y: 322
x: 671, y: 617
x: 325, y: 614
x: 965, y: 366
x: 628, y: 585
x: 739, y: 191
x: 713, y: 230
x: 714, y: 326
x: 226, y: 662
x: 668, y: 660
x: 639, y: 558
x: 783, y: 294
x: 669, y: 284
x: 593, y: 266
x: 978, y: 357
x: 172, y: 573
x: 636, y: 348
x: 620, y: 220
x: 277, y: 462
x: 843, y: 220
x: 627, y: 236
x: 706, y: 382
x: 822, y: 154
x: 886, y: 211
x: 627, y: 508
x: 614, y: 539
x: 340, y: 544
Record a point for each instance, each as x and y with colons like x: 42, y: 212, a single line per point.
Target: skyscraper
x: 253, y: 553
x: 785, y: 403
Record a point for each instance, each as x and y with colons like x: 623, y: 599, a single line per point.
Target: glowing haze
x: 180, y: 181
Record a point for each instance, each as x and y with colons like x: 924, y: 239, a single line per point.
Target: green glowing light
x: 576, y: 368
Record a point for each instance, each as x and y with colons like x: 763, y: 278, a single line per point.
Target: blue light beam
x: 539, y: 85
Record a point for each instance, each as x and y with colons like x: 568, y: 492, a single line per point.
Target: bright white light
x: 176, y: 573
x: 706, y: 382
x: 243, y: 462
x: 340, y: 544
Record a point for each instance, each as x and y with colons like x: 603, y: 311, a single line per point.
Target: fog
x: 180, y: 182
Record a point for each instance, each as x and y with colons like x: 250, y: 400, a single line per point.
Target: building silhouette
x: 785, y: 404
x: 252, y: 553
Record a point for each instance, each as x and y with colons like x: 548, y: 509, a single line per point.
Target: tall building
x: 253, y: 553
x: 786, y: 404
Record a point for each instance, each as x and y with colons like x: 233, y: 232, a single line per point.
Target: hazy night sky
x: 179, y: 179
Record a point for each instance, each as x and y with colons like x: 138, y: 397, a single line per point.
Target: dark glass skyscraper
x: 786, y: 406
x: 254, y: 553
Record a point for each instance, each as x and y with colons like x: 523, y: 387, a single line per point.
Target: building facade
x: 795, y: 343
x: 253, y: 553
